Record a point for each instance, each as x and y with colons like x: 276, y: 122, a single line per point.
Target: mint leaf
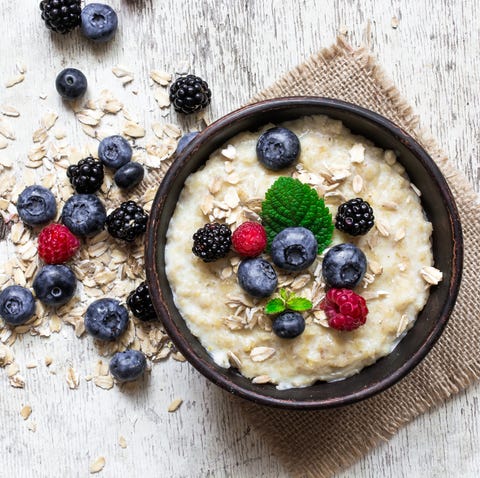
x: 299, y: 304
x: 284, y: 294
x: 275, y: 306
x: 291, y: 203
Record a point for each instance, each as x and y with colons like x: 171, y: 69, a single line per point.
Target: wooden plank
x: 239, y: 47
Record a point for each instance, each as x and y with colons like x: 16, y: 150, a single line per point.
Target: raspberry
x: 56, y: 244
x: 249, y: 239
x: 344, y: 309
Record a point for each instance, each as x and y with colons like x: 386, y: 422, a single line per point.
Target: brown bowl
x: 437, y: 201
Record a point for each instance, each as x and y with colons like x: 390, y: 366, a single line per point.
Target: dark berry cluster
x: 189, y: 94
x: 140, y: 303
x: 127, y: 221
x: 355, y: 217
x: 61, y: 16
x: 212, y: 242
x: 86, y: 177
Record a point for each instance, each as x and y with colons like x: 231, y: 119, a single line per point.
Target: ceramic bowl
x: 437, y: 201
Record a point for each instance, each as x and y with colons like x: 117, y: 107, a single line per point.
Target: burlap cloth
x: 320, y: 443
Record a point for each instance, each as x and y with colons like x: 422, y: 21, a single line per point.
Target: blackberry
x: 140, y: 304
x: 189, y: 94
x: 86, y: 177
x: 127, y: 221
x: 61, y: 16
x: 212, y: 242
x: 354, y: 217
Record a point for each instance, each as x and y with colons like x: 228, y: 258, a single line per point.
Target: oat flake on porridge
x: 338, y: 165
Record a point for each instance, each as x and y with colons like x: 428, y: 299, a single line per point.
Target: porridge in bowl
x: 297, y: 300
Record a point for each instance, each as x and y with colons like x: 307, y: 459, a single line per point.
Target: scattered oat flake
x: 158, y: 130
x: 231, y: 198
x: 417, y: 191
x: 122, y: 442
x: 399, y: 234
x: 261, y: 379
x: 26, y: 411
x: 120, y: 71
x: 389, y: 157
x: 21, y: 67
x: 161, y: 97
x: 17, y: 381
x: 375, y: 267
x: 97, y: 465
x: 48, y: 120
x: 260, y: 354
x: 357, y: 153
x: 431, y: 275
x: 394, y: 22
x: 234, y: 360
x: 175, y: 405
x: 402, y: 325
x: 391, y: 206
x: 32, y: 426
x: 48, y: 360
x: 133, y: 130
x: 230, y: 152
x: 357, y: 184
x: 87, y: 120
x: 104, y: 381
x: 161, y: 77
x: 172, y: 131
x: 8, y: 110
x: 72, y: 378
x: 15, y: 80
x: 382, y: 228
x: 31, y: 364
x: 6, y: 130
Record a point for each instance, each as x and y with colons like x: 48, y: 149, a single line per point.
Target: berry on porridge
x: 335, y: 282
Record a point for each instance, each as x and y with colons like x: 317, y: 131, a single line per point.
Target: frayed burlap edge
x: 319, y: 444
x: 351, y: 441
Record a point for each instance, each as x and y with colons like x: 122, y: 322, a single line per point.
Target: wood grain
x: 240, y: 47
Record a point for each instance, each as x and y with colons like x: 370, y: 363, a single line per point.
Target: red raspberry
x: 56, y: 244
x: 344, y: 309
x: 249, y: 239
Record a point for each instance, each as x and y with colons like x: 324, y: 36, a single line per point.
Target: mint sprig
x: 291, y: 203
x: 287, y: 301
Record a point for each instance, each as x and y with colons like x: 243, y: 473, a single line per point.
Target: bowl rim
x: 206, y: 368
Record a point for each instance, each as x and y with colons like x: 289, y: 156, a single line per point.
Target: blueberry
x: 257, y: 277
x: 128, y: 366
x: 344, y: 266
x: 288, y: 325
x: 36, y: 205
x: 129, y: 175
x: 294, y: 249
x: 84, y: 215
x: 184, y: 140
x: 99, y: 22
x: 55, y: 284
x: 106, y: 319
x: 114, y: 151
x: 17, y: 305
x: 71, y: 84
x: 278, y: 148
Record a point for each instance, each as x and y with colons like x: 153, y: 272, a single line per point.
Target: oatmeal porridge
x: 232, y: 324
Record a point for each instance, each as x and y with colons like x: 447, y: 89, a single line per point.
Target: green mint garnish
x: 291, y: 203
x: 299, y: 304
x: 275, y: 306
x: 287, y: 300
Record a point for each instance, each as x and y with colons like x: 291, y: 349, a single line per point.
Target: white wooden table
x: 239, y: 47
